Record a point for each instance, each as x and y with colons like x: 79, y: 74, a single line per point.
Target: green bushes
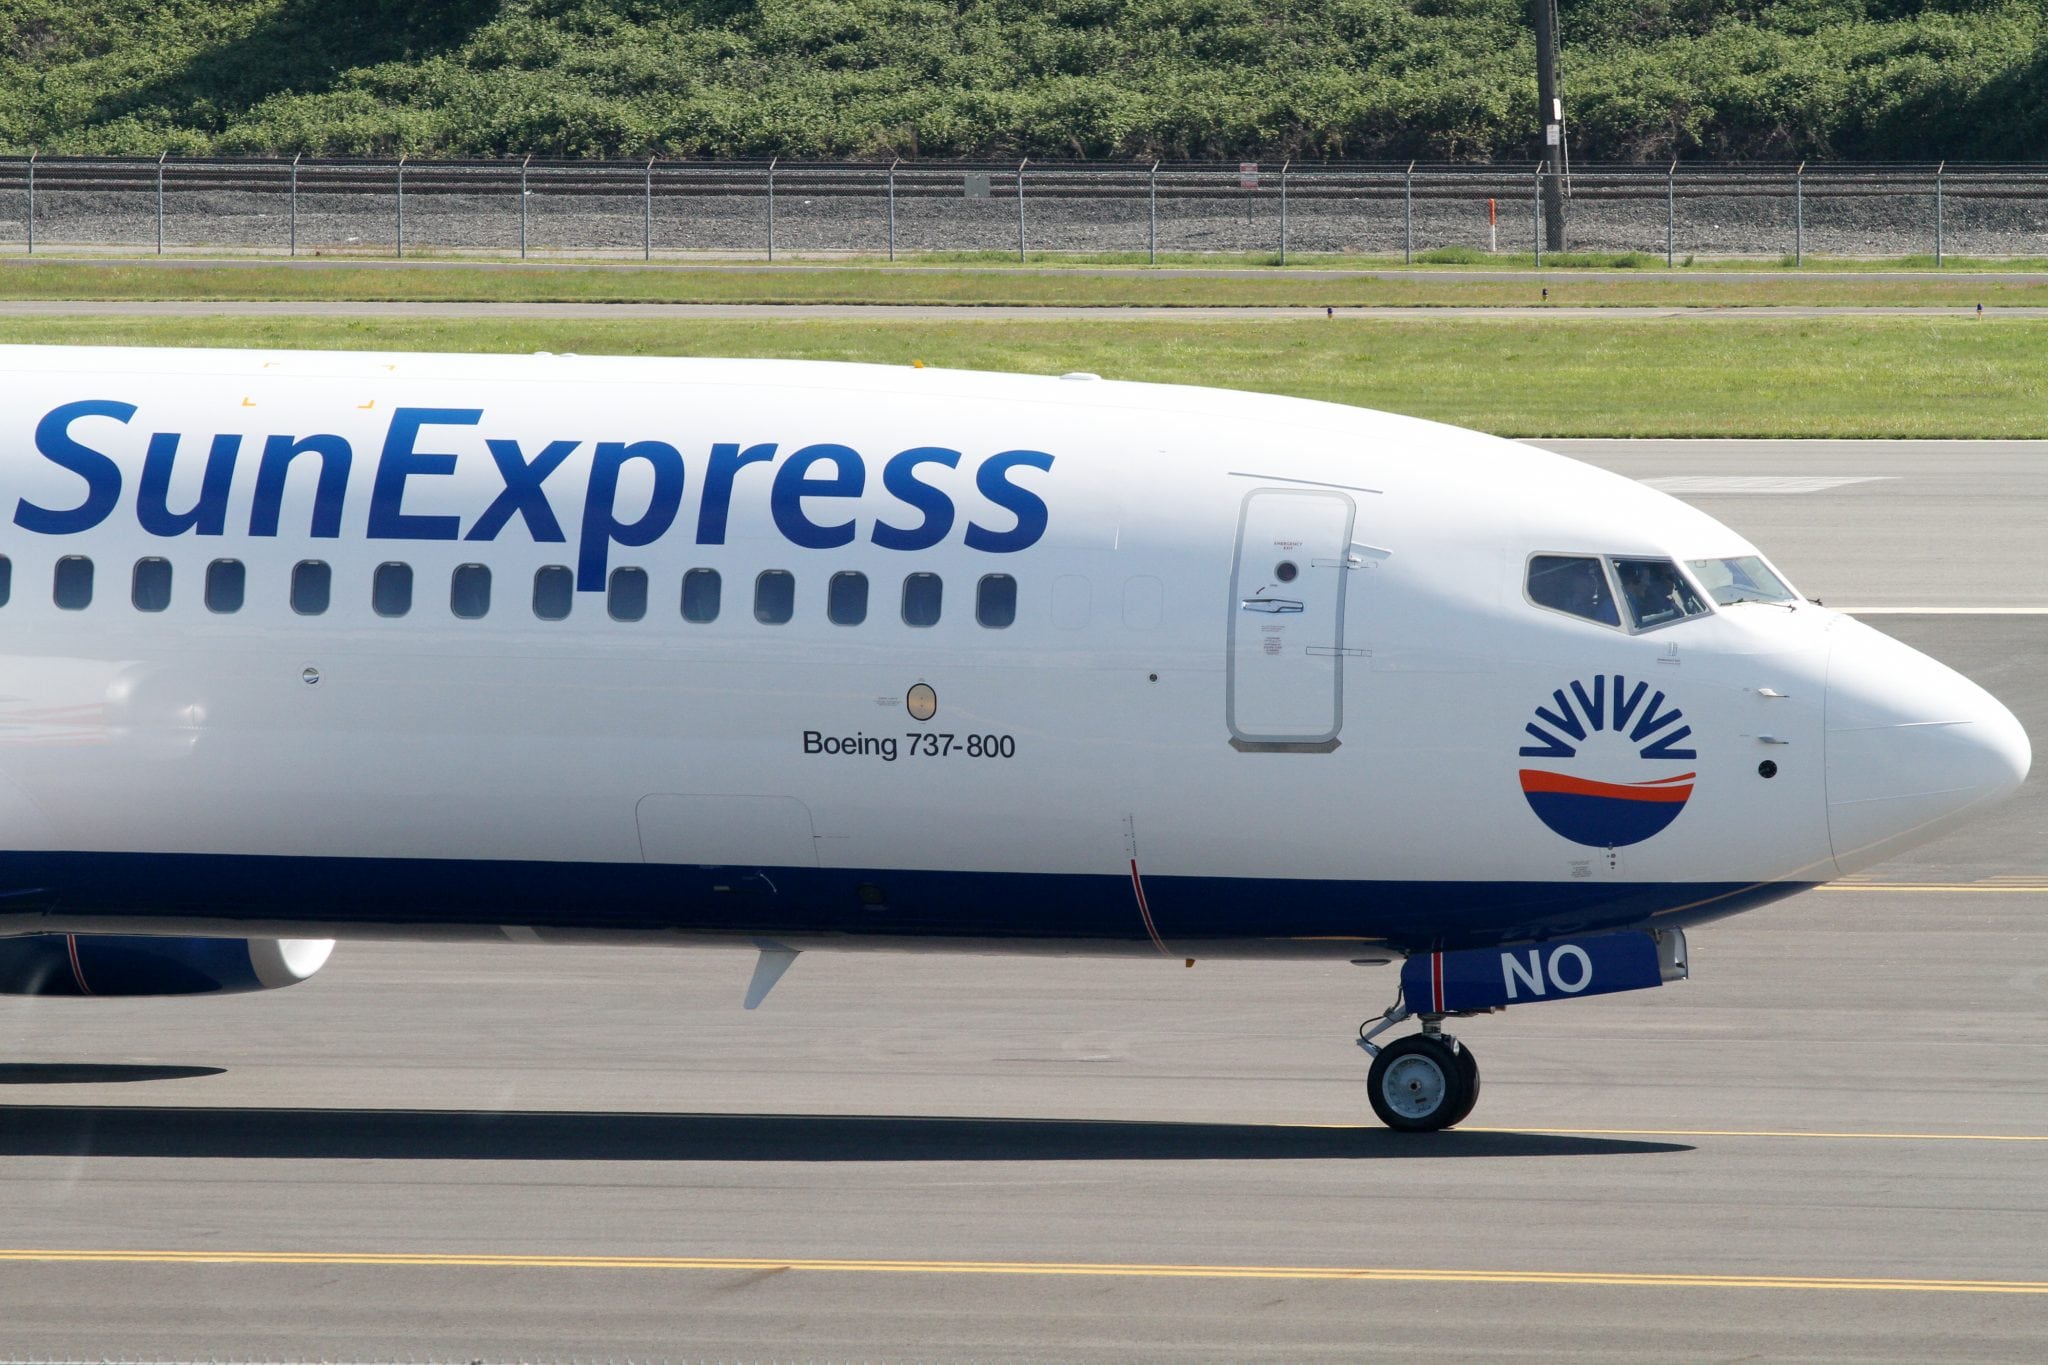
x: 1394, y: 79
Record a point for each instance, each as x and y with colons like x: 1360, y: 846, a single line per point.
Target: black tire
x: 1419, y: 1084
x: 1470, y: 1065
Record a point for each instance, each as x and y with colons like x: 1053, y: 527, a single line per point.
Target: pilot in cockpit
x: 1653, y: 590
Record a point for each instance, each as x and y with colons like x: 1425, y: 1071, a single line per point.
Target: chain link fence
x: 771, y: 208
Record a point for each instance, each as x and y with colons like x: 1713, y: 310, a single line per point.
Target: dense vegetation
x: 1433, y: 79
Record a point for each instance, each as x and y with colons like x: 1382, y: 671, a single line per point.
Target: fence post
x: 1152, y: 215
x: 160, y: 202
x: 1020, y: 208
x: 1536, y: 214
x: 400, y: 242
x: 647, y: 221
x: 1283, y: 210
x: 522, y: 204
x: 1937, y: 213
x: 1799, y: 215
x: 32, y: 202
x: 1408, y: 215
x: 892, y: 206
x: 771, y: 206
x: 294, y: 216
x: 1670, y: 211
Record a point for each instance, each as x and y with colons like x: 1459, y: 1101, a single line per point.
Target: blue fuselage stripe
x: 43, y: 892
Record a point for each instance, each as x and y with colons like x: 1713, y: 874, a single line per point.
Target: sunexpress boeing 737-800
x: 298, y: 647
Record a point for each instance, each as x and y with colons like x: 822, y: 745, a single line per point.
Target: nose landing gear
x: 1422, y: 1083
x: 1430, y: 1081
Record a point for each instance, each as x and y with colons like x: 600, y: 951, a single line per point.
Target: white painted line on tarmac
x: 1761, y: 483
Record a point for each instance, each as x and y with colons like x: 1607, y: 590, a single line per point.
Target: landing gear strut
x: 1421, y: 1083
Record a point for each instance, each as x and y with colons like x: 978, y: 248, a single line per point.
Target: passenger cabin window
x: 469, y: 591
x: 72, y: 589
x: 226, y: 582
x: 774, y: 597
x: 1573, y: 584
x: 1656, y: 592
x: 312, y: 585
x: 922, y: 595
x: 1072, y: 601
x: 1745, y: 578
x: 554, y: 592
x: 150, y: 588
x: 625, y: 595
x: 6, y: 579
x: 846, y: 599
x: 700, y: 595
x: 995, y: 601
x: 391, y: 589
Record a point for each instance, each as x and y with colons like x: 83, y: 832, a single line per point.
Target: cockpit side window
x: 1573, y: 584
x: 1742, y: 578
x: 1656, y: 592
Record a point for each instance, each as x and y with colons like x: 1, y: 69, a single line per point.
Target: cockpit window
x: 1574, y: 584
x: 1745, y: 578
x: 1656, y: 592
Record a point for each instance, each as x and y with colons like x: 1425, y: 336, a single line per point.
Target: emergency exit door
x: 1286, y: 673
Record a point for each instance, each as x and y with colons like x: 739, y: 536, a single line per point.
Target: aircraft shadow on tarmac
x: 93, y: 1073
x: 487, y: 1135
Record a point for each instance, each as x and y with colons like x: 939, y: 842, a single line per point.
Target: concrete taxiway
x: 1832, y: 1143
x: 1890, y: 524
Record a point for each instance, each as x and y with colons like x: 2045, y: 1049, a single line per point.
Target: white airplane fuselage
x: 1272, y: 683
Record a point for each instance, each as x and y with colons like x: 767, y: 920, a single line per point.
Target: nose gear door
x: 1285, y: 685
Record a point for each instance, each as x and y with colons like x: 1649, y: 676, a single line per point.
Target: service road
x: 923, y: 312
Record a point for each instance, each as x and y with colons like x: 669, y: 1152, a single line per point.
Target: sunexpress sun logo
x: 1600, y: 736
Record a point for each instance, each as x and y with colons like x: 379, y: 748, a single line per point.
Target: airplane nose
x: 1912, y: 746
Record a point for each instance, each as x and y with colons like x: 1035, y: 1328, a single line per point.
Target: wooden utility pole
x: 1551, y: 117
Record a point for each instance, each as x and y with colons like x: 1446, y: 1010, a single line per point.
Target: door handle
x: 1273, y: 606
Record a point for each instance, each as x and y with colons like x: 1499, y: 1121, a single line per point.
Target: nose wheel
x: 1422, y: 1083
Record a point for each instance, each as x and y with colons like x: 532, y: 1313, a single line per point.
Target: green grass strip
x: 1108, y: 288
x: 1861, y: 377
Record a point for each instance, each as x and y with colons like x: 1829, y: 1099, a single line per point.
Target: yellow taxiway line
x: 755, y: 1265
x: 1758, y: 1133
x: 1976, y: 888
